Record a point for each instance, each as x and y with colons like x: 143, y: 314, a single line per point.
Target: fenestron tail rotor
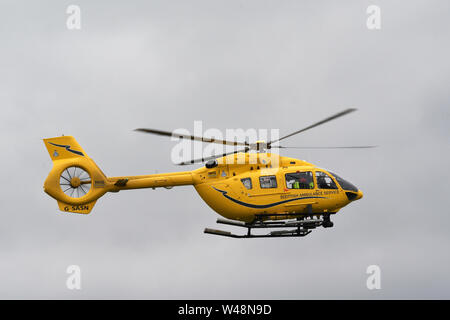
x: 75, y: 182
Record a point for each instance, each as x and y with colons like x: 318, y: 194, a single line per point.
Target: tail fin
x: 64, y: 147
x: 75, y: 181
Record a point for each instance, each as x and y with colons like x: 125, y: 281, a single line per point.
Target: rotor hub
x: 75, y: 182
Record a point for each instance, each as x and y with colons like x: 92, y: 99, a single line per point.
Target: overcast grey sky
x: 231, y: 64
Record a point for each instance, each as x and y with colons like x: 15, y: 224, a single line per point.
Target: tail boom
x: 68, y: 157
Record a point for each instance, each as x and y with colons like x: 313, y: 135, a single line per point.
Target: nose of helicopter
x: 354, y: 195
x: 359, y: 195
x: 351, y: 191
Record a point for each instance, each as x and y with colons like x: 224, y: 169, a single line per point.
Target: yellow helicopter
x: 251, y: 190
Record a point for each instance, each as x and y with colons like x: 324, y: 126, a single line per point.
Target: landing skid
x: 301, y: 228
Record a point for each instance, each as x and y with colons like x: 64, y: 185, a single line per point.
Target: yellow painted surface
x: 220, y: 187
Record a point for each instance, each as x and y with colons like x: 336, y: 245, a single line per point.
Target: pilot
x: 303, y: 182
x: 322, y: 183
x: 296, y: 185
x: 290, y: 183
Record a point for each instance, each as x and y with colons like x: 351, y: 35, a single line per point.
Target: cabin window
x: 324, y: 181
x: 247, y: 182
x: 299, y: 180
x: 267, y: 182
x: 344, y: 184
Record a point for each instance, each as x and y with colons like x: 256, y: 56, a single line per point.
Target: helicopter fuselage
x: 235, y: 191
x: 240, y: 187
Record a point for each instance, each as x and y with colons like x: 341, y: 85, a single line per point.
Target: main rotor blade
x: 211, y: 157
x: 337, y: 115
x: 346, y: 147
x: 185, y: 136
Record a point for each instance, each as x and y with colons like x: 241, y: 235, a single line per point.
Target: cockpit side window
x: 344, y: 183
x: 267, y: 182
x: 324, y: 181
x: 299, y: 180
x: 247, y: 182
